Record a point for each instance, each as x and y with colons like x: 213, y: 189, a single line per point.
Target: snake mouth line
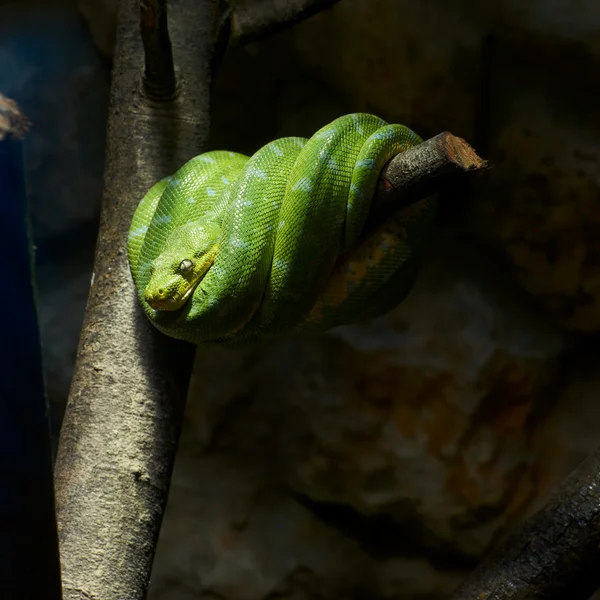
x: 171, y: 304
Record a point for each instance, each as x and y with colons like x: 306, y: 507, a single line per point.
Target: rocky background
x: 379, y: 460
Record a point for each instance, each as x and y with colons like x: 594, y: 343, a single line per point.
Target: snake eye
x: 186, y: 266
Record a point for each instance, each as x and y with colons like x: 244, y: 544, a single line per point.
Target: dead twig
x: 424, y: 170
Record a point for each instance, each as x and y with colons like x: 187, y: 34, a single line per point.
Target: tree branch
x: 556, y: 553
x: 422, y: 171
x: 124, y: 413
x: 254, y: 19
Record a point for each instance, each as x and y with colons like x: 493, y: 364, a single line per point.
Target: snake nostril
x: 161, y: 292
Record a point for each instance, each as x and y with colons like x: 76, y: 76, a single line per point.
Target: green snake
x: 234, y: 249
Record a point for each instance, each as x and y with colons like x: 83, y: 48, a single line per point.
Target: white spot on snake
x: 276, y: 204
x: 386, y: 134
x: 268, y: 227
x: 137, y: 232
x: 225, y: 180
x: 356, y: 190
x: 366, y: 162
x: 358, y: 126
x: 303, y: 184
x: 332, y: 164
x: 329, y: 161
x: 246, y: 202
x: 281, y: 265
x: 231, y: 153
x: 281, y: 224
x: 162, y: 219
x: 256, y: 172
x: 277, y: 149
x: 191, y: 199
x: 206, y: 159
x: 237, y: 243
x: 211, y: 192
x: 300, y: 143
x: 216, y: 270
x: 325, y: 133
x: 174, y: 181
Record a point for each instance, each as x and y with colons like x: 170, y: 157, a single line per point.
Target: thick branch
x: 123, y: 418
x: 254, y: 19
x: 555, y: 556
x: 159, y: 71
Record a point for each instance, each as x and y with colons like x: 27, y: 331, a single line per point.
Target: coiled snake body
x: 234, y: 249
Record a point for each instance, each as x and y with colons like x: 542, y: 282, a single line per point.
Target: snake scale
x: 234, y: 249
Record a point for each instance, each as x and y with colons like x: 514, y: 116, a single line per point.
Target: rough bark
x: 123, y: 417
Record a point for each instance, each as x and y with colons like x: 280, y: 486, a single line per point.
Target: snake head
x: 175, y: 273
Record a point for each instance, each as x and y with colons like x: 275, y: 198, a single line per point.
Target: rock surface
x: 539, y: 205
